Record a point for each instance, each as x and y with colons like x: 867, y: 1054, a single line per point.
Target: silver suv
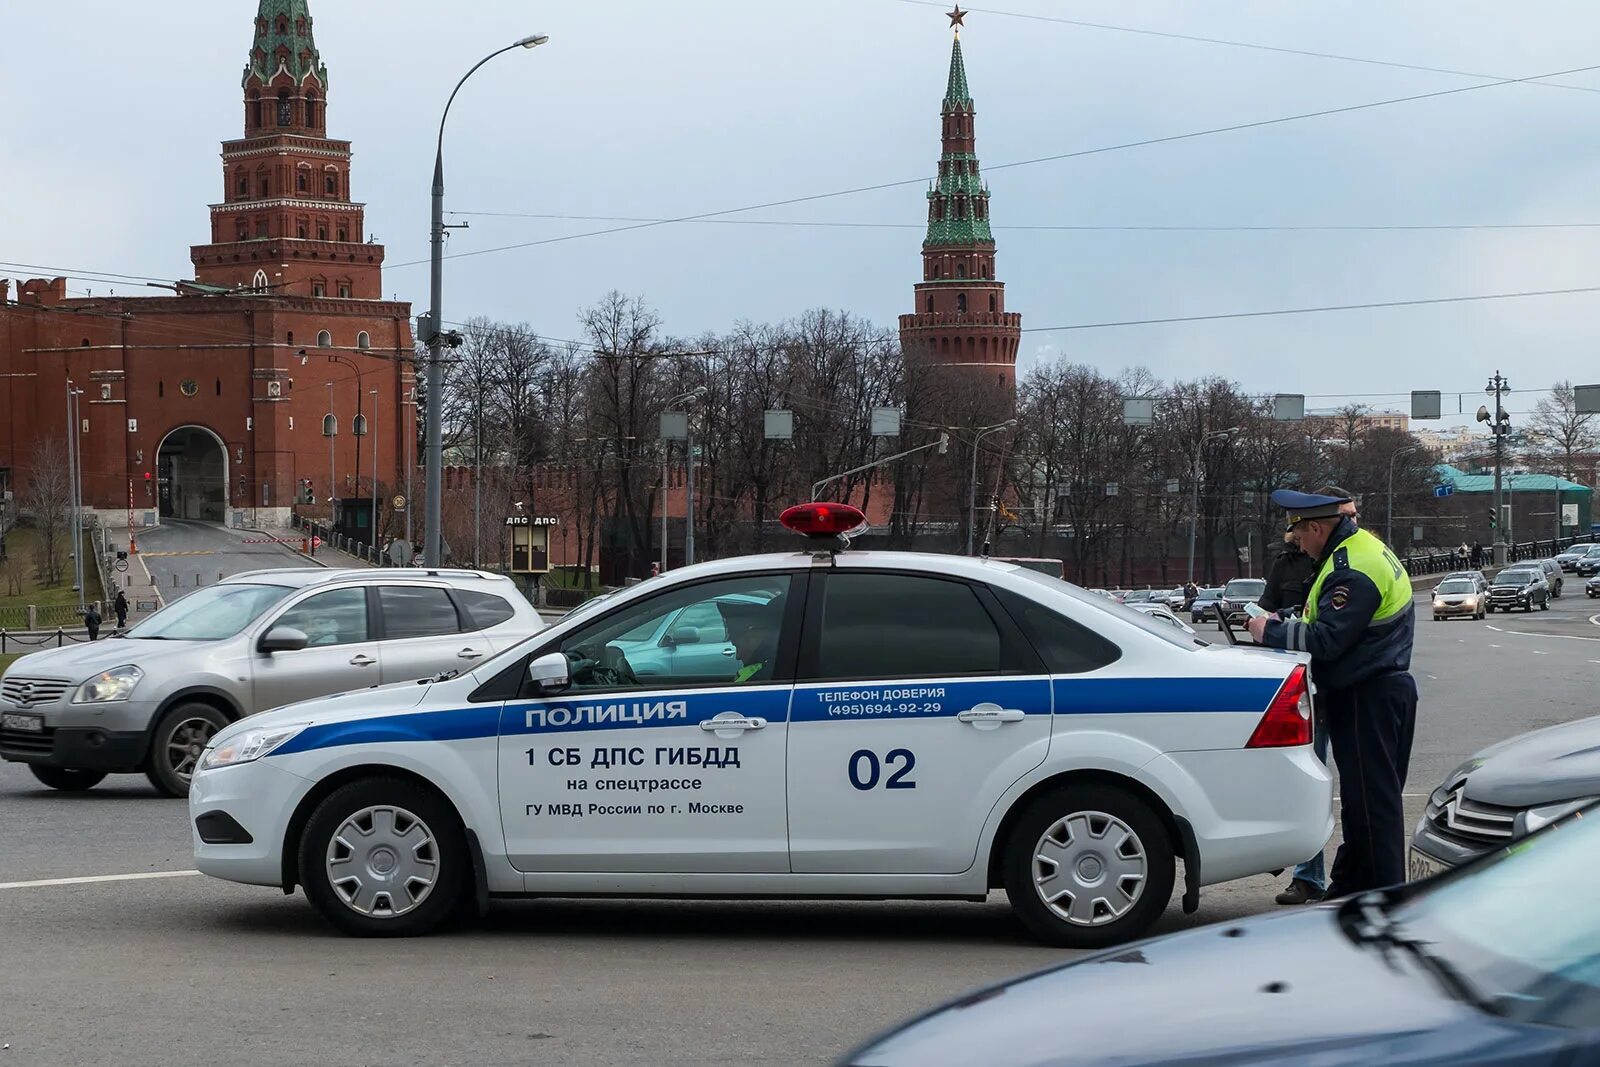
x: 152, y: 700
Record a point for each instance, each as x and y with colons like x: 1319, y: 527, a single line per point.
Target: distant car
x: 1491, y: 965
x: 691, y: 642
x: 1457, y: 597
x: 1139, y: 596
x: 1103, y: 592
x: 1506, y: 792
x: 1204, y: 606
x: 1175, y: 599
x: 1591, y: 588
x: 1589, y: 563
x: 1162, y: 614
x: 1552, y: 575
x: 1569, y: 557
x: 1117, y: 594
x: 1235, y: 595
x: 1519, y: 587
x: 1478, y: 577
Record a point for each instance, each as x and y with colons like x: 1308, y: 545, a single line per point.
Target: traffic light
x: 307, y: 495
x: 1494, y: 522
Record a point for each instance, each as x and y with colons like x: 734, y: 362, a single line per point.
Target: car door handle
x: 737, y: 722
x: 729, y: 651
x: 991, y: 713
x: 362, y: 660
x: 469, y: 653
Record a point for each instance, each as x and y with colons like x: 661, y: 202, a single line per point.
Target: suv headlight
x: 249, y: 745
x: 115, y: 684
x: 1540, y: 817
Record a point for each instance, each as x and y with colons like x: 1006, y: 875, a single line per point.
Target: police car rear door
x: 680, y: 771
x: 918, y: 703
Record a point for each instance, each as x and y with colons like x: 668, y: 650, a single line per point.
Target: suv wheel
x: 384, y: 857
x: 1088, y: 866
x: 180, y: 736
x: 66, y: 779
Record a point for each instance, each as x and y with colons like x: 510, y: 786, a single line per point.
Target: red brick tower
x: 960, y: 318
x: 287, y: 226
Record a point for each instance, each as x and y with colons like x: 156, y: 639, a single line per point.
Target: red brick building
x: 216, y: 403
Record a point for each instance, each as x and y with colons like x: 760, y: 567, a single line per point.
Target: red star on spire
x: 957, y: 17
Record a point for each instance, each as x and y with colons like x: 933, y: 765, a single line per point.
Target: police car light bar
x: 823, y: 520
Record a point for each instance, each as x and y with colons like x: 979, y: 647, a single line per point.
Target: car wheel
x: 1088, y: 866
x: 384, y: 857
x: 175, y: 747
x: 1544, y: 605
x: 1436, y: 618
x: 67, y: 779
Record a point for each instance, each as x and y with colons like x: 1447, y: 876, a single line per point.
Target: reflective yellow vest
x: 1367, y: 555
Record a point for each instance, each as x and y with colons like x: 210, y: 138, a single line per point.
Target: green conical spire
x: 294, y: 17
x: 957, y: 92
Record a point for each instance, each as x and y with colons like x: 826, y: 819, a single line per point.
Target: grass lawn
x: 20, y: 547
x: 8, y: 660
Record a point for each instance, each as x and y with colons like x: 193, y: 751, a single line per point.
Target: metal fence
x: 1442, y: 562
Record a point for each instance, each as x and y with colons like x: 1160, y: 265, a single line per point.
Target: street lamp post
x: 374, y: 394
x: 688, y: 532
x: 434, y: 480
x: 972, y: 487
x: 1194, y: 488
x: 1388, y: 525
x: 331, y: 425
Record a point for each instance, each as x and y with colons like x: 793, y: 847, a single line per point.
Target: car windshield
x: 1138, y: 596
x: 1516, y: 933
x: 1209, y: 594
x: 1516, y: 577
x: 211, y: 614
x: 1140, y: 619
x: 1457, y: 585
x: 1593, y: 550
x: 1246, y: 588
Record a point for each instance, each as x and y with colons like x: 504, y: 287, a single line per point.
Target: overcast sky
x: 114, y: 112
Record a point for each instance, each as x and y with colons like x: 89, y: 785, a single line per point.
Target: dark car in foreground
x: 1505, y: 792
x: 1588, y: 564
x: 1519, y: 587
x: 1493, y: 964
x: 1591, y: 588
x: 1568, y: 557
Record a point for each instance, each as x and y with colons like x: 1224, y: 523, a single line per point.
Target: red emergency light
x: 823, y: 520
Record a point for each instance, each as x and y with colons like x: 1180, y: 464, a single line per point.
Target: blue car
x: 690, y: 643
x: 1497, y: 962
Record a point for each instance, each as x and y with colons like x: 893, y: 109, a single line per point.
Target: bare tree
x: 1569, y: 439
x: 47, y: 501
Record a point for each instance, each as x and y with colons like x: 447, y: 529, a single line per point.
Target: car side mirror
x: 550, y: 673
x: 684, y: 635
x: 284, y: 639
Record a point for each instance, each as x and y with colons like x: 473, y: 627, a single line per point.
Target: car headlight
x: 249, y: 745
x: 1540, y: 817
x: 115, y: 684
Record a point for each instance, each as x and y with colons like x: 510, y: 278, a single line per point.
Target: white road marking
x: 1536, y: 652
x: 44, y: 883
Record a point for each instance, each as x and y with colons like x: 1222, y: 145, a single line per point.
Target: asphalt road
x: 183, y: 556
x: 185, y: 970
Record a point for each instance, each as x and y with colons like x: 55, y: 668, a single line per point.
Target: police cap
x: 1302, y: 506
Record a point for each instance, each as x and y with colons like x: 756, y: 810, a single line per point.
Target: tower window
x: 301, y: 183
x: 283, y: 26
x: 322, y: 231
x: 961, y: 270
x: 285, y: 110
x: 324, y: 339
x: 930, y: 302
x: 318, y: 289
x: 311, y: 110
x: 994, y: 302
x: 241, y: 184
x: 219, y: 386
x: 242, y: 231
x: 290, y: 338
x: 264, y: 183
x: 344, y: 234
x: 363, y: 340
x: 344, y: 294
x: 161, y: 389
x: 961, y: 303
x: 300, y: 231
x: 330, y: 184
x: 261, y: 230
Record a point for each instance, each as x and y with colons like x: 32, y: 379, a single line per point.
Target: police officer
x: 1358, y: 627
x: 753, y: 630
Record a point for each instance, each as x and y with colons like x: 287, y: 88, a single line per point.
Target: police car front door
x: 918, y: 704
x: 678, y: 772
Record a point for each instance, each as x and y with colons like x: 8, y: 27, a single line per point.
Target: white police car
x: 897, y: 725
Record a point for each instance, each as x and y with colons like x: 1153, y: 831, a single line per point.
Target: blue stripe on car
x: 859, y: 701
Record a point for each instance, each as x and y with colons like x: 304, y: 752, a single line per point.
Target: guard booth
x: 530, y: 542
x: 352, y: 517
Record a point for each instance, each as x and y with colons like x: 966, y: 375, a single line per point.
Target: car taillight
x: 1287, y: 720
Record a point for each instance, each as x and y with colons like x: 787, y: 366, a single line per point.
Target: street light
x: 1194, y: 487
x: 972, y: 487
x: 434, y: 480
x: 374, y: 394
x: 1388, y: 524
x: 688, y: 534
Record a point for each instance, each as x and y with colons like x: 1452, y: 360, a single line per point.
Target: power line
x: 1056, y: 158
x: 1076, y: 228
x: 1313, y: 310
x: 1250, y: 45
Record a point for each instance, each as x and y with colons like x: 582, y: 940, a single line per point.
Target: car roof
x: 303, y: 577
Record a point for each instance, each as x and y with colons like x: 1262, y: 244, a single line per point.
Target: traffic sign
x: 1443, y: 491
x: 121, y: 565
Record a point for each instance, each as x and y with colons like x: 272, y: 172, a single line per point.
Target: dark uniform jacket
x: 1347, y: 647
x: 1289, y: 580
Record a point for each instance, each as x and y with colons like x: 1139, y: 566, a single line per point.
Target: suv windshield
x: 1516, y: 577
x: 211, y: 614
x: 1537, y: 962
x: 1246, y: 588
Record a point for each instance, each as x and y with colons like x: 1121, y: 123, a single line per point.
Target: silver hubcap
x: 1089, y: 868
x: 383, y: 862
x: 186, y: 743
